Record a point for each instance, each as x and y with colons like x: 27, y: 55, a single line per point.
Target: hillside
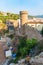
x: 4, y: 16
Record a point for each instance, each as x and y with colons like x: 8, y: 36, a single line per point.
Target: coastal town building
x: 36, y: 23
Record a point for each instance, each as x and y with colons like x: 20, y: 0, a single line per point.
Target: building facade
x: 36, y: 23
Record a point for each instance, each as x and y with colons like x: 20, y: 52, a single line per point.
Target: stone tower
x: 23, y: 20
x: 23, y: 17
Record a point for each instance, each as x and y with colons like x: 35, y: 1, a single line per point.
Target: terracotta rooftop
x: 34, y: 22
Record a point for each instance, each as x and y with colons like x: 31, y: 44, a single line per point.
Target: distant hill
x: 39, y: 16
x: 30, y: 16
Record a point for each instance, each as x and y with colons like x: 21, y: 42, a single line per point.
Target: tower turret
x: 23, y: 17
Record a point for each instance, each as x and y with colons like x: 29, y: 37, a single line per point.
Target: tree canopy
x: 8, y: 16
x: 25, y: 45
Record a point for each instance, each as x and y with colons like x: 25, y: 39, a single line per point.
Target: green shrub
x: 25, y: 45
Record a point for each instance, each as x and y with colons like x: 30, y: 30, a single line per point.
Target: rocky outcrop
x: 29, y: 31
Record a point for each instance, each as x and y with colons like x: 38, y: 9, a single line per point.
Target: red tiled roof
x: 34, y: 23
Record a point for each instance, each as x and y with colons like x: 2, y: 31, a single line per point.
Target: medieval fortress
x: 36, y: 23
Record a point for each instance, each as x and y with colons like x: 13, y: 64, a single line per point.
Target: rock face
x: 2, y: 56
x: 37, y: 60
x: 29, y: 31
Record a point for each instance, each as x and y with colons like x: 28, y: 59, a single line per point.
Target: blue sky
x: 34, y: 7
